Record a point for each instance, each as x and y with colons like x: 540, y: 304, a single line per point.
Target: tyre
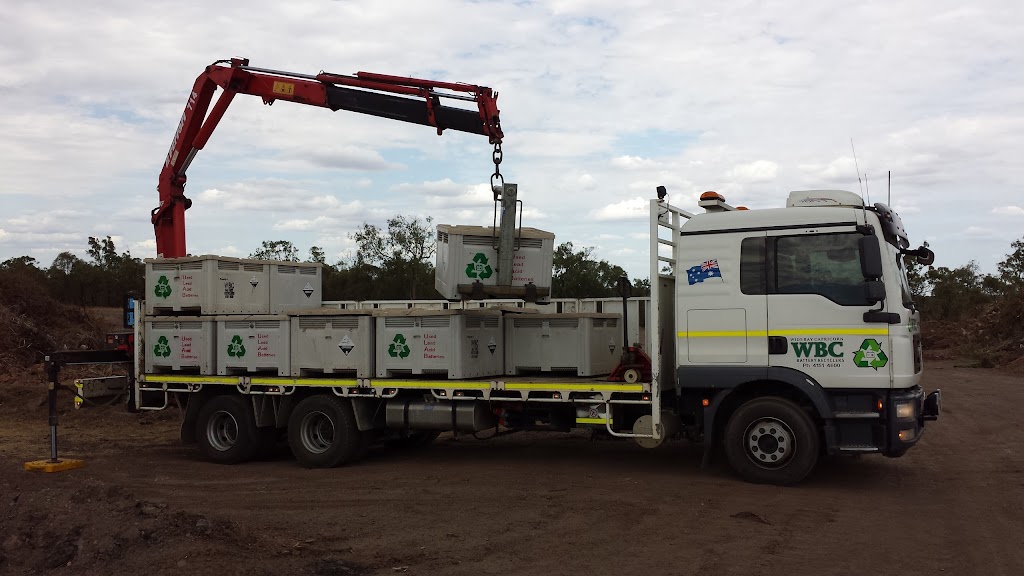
x: 226, y: 430
x: 322, y: 432
x: 771, y: 441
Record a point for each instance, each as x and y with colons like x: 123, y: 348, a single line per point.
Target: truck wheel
x: 226, y: 430
x: 322, y: 432
x: 771, y: 441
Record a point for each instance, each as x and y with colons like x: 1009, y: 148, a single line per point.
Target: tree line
x: 394, y: 262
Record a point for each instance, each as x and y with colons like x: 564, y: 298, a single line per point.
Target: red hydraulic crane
x: 405, y: 99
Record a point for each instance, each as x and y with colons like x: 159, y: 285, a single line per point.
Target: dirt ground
x: 522, y: 504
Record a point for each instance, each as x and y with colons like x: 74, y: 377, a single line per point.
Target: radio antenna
x: 889, y: 199
x: 857, y: 166
x: 867, y: 188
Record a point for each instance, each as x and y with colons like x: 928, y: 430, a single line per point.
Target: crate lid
x: 491, y: 231
x: 251, y: 317
x: 203, y: 257
x: 328, y: 312
x: 596, y: 315
x: 425, y: 312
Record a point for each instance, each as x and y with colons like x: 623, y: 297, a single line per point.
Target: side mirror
x: 924, y: 256
x: 870, y: 257
x: 874, y: 291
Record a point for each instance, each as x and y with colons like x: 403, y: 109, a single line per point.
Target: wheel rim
x: 222, y: 431
x: 769, y: 443
x: 316, y: 432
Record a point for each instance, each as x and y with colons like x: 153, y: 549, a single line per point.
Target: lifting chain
x: 497, y: 180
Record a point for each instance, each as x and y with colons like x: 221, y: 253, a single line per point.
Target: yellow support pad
x: 59, y: 466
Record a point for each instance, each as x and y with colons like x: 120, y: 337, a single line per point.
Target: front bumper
x: 905, y: 417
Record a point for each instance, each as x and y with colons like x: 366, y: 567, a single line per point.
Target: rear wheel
x: 226, y: 430
x: 771, y: 441
x: 322, y: 432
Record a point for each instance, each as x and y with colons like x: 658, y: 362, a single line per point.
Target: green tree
x: 956, y: 293
x: 400, y: 258
x: 1011, y: 270
x: 576, y: 274
x: 276, y: 250
x: 916, y: 275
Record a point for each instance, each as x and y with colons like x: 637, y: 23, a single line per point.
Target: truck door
x: 721, y: 309
x: 816, y: 306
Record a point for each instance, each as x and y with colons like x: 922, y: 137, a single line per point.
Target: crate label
x: 430, y: 347
x: 188, y: 288
x: 263, y: 346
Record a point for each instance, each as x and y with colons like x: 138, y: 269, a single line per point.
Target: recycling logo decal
x: 236, y: 348
x: 162, y: 347
x: 479, y: 268
x: 163, y: 287
x: 398, y: 348
x: 870, y: 355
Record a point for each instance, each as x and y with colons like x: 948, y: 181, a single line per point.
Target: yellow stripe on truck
x: 592, y: 421
x: 555, y: 386
x: 175, y: 379
x: 801, y: 332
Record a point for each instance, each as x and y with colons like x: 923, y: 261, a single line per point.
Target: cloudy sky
x: 600, y: 102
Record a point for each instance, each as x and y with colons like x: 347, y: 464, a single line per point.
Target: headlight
x: 908, y: 435
x: 905, y: 409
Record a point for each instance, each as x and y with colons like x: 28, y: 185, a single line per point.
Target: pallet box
x: 213, y: 285
x: 451, y: 344
x: 467, y: 254
x: 253, y: 344
x: 180, y: 344
x: 332, y: 342
x: 581, y: 344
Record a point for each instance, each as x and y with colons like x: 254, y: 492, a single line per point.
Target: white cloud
x: 633, y: 208
x: 633, y: 163
x: 1009, y: 210
x: 757, y: 171
x: 3, y: 234
x: 590, y: 116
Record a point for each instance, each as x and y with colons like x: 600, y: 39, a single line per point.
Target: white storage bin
x: 466, y: 254
x: 207, y: 285
x: 180, y: 344
x: 248, y: 344
x: 295, y: 286
x: 450, y: 344
x: 637, y: 329
x: 584, y: 344
x: 211, y: 285
x: 332, y: 342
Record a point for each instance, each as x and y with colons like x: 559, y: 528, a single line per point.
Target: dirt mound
x: 90, y: 526
x: 993, y: 337
x: 32, y: 323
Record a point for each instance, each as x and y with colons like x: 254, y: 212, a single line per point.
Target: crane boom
x: 410, y: 100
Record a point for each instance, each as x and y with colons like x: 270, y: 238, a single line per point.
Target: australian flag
x: 703, y: 271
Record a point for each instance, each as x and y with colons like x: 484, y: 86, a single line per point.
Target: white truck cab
x: 797, y: 333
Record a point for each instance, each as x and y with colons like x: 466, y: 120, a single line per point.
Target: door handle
x: 778, y: 345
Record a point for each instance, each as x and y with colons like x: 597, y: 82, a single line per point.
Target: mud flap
x: 193, y: 403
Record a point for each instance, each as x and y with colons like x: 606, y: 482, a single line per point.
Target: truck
x: 776, y: 336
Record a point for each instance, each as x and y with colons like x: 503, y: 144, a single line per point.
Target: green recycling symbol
x: 163, y: 287
x: 398, y: 348
x: 870, y: 355
x: 162, y: 347
x: 479, y: 268
x: 236, y: 348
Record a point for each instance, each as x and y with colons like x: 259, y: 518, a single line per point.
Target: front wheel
x: 322, y: 432
x: 771, y: 441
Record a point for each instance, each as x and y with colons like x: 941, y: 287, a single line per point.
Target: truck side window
x: 825, y: 264
x: 753, y: 279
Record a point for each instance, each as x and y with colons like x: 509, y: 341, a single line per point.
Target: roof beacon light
x: 712, y: 201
